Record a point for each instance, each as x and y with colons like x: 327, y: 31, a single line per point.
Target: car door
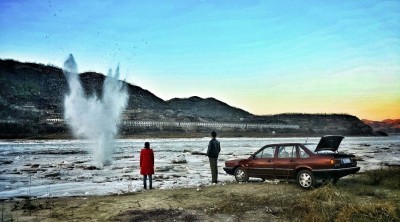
x: 262, y: 164
x: 286, y: 161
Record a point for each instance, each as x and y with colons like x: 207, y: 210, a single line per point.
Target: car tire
x: 241, y: 175
x: 305, y: 179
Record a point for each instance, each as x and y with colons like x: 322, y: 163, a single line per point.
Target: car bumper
x: 335, y: 173
x: 229, y: 170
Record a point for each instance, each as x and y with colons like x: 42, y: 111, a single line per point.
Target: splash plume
x: 91, y: 117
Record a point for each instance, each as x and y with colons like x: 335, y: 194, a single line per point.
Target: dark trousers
x: 150, y: 181
x: 214, y: 169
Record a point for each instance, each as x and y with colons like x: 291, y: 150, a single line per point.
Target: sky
x: 266, y: 57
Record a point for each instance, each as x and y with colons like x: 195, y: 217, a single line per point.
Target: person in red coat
x: 147, y: 164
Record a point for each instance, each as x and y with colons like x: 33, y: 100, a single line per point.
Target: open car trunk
x: 329, y: 143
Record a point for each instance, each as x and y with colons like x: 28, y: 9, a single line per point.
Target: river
x: 65, y: 167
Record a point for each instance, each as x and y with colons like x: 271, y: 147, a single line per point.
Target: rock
x: 163, y: 168
x: 85, y: 177
x: 52, y: 174
x: 66, y: 164
x: 86, y: 167
x: 198, y: 153
x: 79, y: 162
x: 3, y: 162
x: 31, y: 170
x: 91, y: 168
x: 179, y: 159
x: 123, y: 157
x: 99, y: 180
x: 358, y: 158
x: 116, y: 167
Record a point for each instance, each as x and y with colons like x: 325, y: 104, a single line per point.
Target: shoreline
x: 351, y: 198
x: 70, y: 168
x: 180, y: 136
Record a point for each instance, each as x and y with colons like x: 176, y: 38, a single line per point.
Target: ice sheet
x: 66, y: 167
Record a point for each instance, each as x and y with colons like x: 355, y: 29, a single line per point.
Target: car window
x: 311, y: 146
x: 303, y: 153
x: 287, y: 151
x: 268, y: 152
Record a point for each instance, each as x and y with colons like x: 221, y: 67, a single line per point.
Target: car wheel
x: 305, y: 179
x: 241, y: 175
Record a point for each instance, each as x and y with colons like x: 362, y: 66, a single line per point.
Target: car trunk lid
x: 329, y: 143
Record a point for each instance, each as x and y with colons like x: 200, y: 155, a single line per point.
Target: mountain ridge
x: 31, y: 94
x: 386, y: 125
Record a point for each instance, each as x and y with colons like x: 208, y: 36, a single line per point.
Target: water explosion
x: 95, y: 118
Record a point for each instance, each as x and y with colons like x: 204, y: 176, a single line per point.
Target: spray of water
x: 95, y: 118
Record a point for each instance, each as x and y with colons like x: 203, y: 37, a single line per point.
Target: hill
x: 32, y: 95
x: 207, y: 108
x: 387, y: 125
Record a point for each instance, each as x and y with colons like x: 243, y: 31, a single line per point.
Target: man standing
x: 212, y: 153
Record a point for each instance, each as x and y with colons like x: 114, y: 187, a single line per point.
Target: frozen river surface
x: 66, y: 167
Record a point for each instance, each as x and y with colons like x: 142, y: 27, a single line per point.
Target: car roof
x: 280, y: 144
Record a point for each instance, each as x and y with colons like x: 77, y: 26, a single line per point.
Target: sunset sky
x: 266, y: 57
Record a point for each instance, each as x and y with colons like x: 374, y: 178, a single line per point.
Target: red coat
x: 146, y: 161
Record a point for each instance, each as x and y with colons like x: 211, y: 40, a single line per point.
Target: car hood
x: 329, y: 143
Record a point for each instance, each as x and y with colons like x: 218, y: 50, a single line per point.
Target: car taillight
x: 335, y: 163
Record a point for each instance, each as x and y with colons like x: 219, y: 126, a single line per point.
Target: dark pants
x: 150, y: 181
x: 214, y: 169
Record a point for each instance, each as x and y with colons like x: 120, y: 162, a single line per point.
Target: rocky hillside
x: 31, y: 94
x: 44, y: 87
x: 387, y: 125
x: 207, y: 108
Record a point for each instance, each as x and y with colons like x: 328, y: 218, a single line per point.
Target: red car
x: 296, y: 161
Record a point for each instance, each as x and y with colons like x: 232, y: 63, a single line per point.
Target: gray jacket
x: 213, y: 148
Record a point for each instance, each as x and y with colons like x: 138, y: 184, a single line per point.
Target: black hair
x: 213, y: 134
x: 147, y: 145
